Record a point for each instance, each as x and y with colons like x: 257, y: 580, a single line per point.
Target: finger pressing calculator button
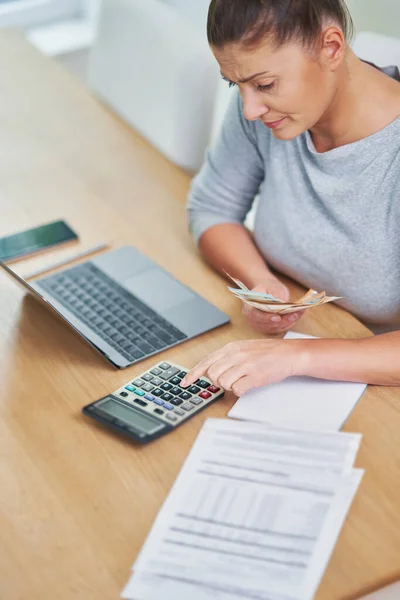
x: 138, y: 382
x: 194, y: 389
x: 166, y: 386
x: 167, y: 397
x: 164, y: 366
x: 196, y: 400
x: 187, y: 406
x: 185, y: 396
x: 171, y: 417
x: 155, y: 371
x: 213, y: 389
x: 202, y: 383
x: 158, y: 411
x: 169, y: 373
x: 205, y: 395
x: 168, y: 406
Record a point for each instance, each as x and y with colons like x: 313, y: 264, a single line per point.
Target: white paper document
x: 300, y: 402
x: 254, y: 514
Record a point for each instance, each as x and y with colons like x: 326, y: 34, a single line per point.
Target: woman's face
x: 288, y: 89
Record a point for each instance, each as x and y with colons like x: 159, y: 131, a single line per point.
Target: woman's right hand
x: 266, y: 322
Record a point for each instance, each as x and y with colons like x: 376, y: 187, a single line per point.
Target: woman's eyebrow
x: 247, y: 78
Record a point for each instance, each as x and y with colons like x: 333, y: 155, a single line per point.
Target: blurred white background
x: 149, y: 59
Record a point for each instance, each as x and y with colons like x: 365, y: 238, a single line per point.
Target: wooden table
x: 77, y: 502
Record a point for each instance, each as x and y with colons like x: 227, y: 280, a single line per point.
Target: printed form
x: 254, y: 514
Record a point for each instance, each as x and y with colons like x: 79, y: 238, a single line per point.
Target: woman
x: 316, y: 132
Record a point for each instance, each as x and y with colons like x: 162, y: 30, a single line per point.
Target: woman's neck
x: 365, y: 102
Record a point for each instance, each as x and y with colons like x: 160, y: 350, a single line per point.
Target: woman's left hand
x: 243, y: 365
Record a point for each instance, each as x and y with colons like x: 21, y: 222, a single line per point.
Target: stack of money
x: 270, y: 304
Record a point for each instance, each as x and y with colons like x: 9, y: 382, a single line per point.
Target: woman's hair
x: 282, y: 21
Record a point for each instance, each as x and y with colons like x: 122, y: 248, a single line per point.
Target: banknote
x: 268, y: 303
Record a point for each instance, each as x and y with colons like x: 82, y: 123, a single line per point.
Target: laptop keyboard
x: 116, y: 315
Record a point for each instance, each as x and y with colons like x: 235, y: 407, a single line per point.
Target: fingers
x: 243, y: 385
x: 223, y: 368
x: 271, y: 323
x: 203, y: 366
x: 225, y: 376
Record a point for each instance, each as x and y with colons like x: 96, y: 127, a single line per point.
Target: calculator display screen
x: 130, y: 416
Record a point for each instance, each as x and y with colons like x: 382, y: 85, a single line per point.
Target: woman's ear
x: 334, y: 47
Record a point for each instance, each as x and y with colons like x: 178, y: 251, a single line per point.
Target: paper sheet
x: 300, y: 402
x: 254, y: 514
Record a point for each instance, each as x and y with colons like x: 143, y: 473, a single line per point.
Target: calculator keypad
x: 158, y: 391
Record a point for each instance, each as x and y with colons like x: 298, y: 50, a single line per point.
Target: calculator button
x: 147, y: 377
x: 158, y: 411
x: 205, y: 395
x: 155, y: 371
x: 194, y: 389
x: 158, y: 401
x: 156, y: 381
x: 157, y: 392
x: 137, y: 400
x: 167, y: 397
x: 196, y: 400
x: 175, y: 380
x: 171, y: 417
x: 175, y: 390
x: 176, y: 401
x: 185, y: 396
x: 187, y: 406
x: 138, y: 382
x: 147, y: 387
x: 166, y: 386
x: 124, y: 394
x: 213, y: 389
x: 164, y: 366
x: 169, y: 373
x: 179, y: 412
x: 130, y: 388
x: 140, y: 392
x: 143, y: 403
x: 182, y: 374
x: 149, y: 397
x: 202, y: 383
x: 168, y: 406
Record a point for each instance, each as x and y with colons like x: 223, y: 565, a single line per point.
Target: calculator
x: 154, y: 403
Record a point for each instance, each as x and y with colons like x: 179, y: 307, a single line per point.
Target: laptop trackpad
x: 158, y: 290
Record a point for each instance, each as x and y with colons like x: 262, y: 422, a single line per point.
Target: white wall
x: 196, y: 10
x: 381, y: 16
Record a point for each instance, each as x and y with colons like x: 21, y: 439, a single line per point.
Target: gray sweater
x: 330, y: 221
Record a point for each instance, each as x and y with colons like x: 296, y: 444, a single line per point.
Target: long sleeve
x: 225, y: 188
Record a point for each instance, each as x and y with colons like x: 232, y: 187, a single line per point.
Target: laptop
x: 125, y: 305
